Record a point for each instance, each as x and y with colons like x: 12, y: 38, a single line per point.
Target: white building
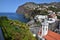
x: 51, y: 20
x: 50, y: 11
x: 46, y: 6
x: 52, y: 15
x: 39, y: 9
x: 44, y: 29
x: 58, y: 13
x: 40, y: 17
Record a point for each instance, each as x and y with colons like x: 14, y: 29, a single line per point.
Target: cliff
x: 25, y: 8
x: 30, y: 9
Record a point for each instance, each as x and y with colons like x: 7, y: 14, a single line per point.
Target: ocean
x: 15, y: 16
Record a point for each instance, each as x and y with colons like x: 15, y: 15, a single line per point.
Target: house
x: 40, y: 17
x: 52, y: 15
x: 58, y: 13
x: 50, y: 11
x: 47, y: 34
x: 52, y: 36
x: 39, y: 8
x: 45, y: 6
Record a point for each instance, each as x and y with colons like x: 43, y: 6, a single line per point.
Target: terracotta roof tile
x: 49, y: 37
x: 52, y: 36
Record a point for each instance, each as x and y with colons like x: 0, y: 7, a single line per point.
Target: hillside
x: 15, y: 30
x: 30, y: 5
x: 25, y: 8
x: 30, y: 9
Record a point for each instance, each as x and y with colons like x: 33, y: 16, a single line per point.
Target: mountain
x: 25, y: 8
x: 57, y: 4
x: 28, y: 8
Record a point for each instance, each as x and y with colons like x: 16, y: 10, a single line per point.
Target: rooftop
x: 52, y: 36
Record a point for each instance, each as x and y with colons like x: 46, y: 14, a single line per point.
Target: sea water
x: 15, y: 16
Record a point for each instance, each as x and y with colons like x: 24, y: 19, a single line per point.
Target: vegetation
x: 43, y: 12
x: 54, y: 9
x: 36, y: 12
x: 58, y: 17
x: 15, y: 30
x: 28, y: 9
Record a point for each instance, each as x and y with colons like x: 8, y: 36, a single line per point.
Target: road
x: 1, y: 35
x: 34, y: 30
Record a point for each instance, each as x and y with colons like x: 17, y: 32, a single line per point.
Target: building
x: 40, y: 17
x: 46, y: 34
x: 50, y: 11
x: 44, y: 29
x: 52, y: 15
x: 58, y: 13
x: 52, y: 36
x: 46, y: 6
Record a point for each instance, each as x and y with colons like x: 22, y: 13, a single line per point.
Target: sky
x: 12, y: 5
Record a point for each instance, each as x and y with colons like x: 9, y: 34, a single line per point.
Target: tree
x: 54, y: 9
x: 58, y: 17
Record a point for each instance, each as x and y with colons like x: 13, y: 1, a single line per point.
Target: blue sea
x: 15, y: 16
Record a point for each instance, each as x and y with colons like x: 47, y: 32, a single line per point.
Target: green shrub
x: 16, y: 31
x: 58, y: 17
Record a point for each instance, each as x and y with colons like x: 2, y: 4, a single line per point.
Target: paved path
x: 1, y: 35
x: 34, y: 30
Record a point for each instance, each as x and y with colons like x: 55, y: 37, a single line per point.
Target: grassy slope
x: 15, y: 30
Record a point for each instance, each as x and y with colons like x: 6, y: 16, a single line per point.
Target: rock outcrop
x: 26, y: 8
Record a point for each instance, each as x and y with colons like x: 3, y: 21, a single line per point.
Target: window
x: 46, y: 29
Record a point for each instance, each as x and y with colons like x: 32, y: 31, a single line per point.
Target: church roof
x: 52, y: 36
